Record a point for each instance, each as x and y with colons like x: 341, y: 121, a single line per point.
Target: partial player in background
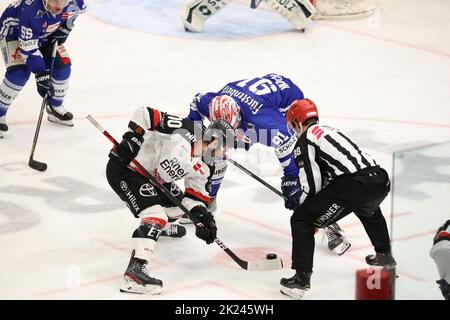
x: 256, y: 108
x: 440, y: 252
x: 171, y: 149
x: 28, y: 30
x: 337, y: 178
x: 195, y: 12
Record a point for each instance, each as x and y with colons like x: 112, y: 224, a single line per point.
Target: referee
x: 337, y: 178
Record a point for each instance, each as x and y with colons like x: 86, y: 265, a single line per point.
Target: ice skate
x: 59, y: 115
x: 378, y: 259
x: 296, y: 286
x: 3, y: 126
x: 337, y: 243
x: 137, y: 280
x: 173, y: 230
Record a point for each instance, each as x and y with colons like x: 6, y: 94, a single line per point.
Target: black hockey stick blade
x: 255, y: 3
x: 37, y: 165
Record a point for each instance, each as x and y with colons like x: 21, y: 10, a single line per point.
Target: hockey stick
x: 251, y: 174
x: 34, y: 164
x: 255, y: 3
x: 254, y: 176
x: 261, y: 265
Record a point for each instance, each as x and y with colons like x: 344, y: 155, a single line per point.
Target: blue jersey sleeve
x: 30, y: 27
x: 199, y: 107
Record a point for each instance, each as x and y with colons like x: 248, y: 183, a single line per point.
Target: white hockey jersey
x: 167, y: 153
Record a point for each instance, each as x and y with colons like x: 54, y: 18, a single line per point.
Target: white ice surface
x: 65, y: 235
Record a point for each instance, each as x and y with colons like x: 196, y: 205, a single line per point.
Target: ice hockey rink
x: 384, y: 80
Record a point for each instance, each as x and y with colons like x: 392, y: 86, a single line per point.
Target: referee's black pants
x: 361, y: 192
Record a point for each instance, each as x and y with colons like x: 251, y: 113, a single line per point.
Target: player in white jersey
x: 440, y: 252
x: 337, y: 178
x: 170, y: 148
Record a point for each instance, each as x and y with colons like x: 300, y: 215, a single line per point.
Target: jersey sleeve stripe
x: 155, y: 118
x: 344, y: 151
x: 363, y: 159
x: 334, y: 162
x: 195, y: 195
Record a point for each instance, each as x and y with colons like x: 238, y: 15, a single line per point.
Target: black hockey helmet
x: 222, y: 130
x: 220, y: 137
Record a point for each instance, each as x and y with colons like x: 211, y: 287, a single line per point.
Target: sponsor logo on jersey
x: 147, y: 190
x: 52, y: 27
x: 173, y: 168
x: 132, y: 198
x: 297, y: 152
x: 191, y: 137
x: 123, y: 185
x: 175, y: 190
x: 28, y: 45
x: 285, y: 149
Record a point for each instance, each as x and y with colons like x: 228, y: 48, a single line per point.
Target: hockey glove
x: 128, y: 149
x: 61, y: 34
x: 290, y: 186
x: 44, y: 84
x: 207, y: 232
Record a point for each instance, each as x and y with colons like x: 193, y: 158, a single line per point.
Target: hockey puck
x: 271, y: 256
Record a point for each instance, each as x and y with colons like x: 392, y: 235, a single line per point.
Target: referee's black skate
x: 59, y: 115
x: 173, y: 230
x: 337, y: 243
x: 137, y: 280
x: 381, y: 260
x: 296, y: 286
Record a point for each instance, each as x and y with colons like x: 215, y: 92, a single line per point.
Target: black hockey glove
x: 128, y: 149
x: 44, y: 84
x: 207, y: 232
x: 61, y: 34
x: 292, y: 190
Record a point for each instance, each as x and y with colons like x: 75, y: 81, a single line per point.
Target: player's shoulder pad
x: 195, y: 101
x: 170, y: 124
x: 32, y: 9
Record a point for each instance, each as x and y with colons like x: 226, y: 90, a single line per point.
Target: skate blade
x: 132, y: 286
x: 294, y: 293
x: 68, y: 123
x: 342, y: 248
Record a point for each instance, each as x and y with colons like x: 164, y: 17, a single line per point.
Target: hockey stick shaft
x: 243, y: 264
x: 41, y: 113
x: 254, y: 176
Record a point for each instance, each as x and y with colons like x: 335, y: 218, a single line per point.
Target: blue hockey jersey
x: 28, y: 22
x: 263, y: 102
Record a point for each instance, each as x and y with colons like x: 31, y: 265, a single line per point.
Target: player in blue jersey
x: 256, y: 108
x: 28, y: 31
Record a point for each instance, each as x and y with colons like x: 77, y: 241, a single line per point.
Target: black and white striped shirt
x: 322, y: 153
